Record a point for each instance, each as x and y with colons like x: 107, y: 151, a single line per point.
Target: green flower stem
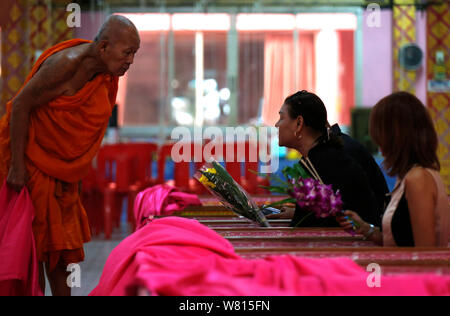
x: 282, y: 202
x: 301, y: 221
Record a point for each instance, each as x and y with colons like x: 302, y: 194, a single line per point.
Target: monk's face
x: 118, y: 56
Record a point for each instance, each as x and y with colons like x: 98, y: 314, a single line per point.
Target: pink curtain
x: 283, y: 76
x: 306, y: 71
x: 279, y: 74
x: 121, y: 98
x: 346, y: 76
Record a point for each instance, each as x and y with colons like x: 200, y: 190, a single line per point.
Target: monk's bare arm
x: 47, y: 84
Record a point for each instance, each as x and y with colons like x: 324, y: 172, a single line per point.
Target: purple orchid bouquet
x: 316, y: 197
x: 308, y: 192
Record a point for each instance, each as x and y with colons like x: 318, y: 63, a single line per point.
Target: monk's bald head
x: 116, y: 43
x: 116, y: 28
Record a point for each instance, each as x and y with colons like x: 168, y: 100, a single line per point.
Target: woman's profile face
x: 286, y: 128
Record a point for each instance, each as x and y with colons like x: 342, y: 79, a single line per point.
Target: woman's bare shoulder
x: 418, y: 179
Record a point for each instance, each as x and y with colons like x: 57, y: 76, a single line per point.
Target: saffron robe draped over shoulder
x: 63, y: 138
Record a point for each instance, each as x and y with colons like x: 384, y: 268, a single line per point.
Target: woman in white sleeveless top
x: 418, y: 213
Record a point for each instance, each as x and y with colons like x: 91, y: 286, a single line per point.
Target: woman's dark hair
x: 401, y: 125
x: 314, y: 113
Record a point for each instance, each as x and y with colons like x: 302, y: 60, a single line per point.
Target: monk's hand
x: 286, y: 213
x: 17, y: 177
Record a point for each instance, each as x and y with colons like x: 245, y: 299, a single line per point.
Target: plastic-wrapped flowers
x: 220, y: 183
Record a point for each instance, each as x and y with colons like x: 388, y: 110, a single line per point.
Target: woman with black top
x: 303, y: 126
x: 419, y: 213
x: 364, y: 158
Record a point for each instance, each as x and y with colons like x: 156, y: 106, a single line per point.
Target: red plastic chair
x: 250, y: 162
x: 123, y: 170
x: 92, y: 201
x: 183, y: 180
x: 141, y: 158
x: 242, y: 161
x: 182, y: 173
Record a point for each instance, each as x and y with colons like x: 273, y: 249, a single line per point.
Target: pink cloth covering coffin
x: 19, y: 274
x: 161, y: 200
x: 177, y: 256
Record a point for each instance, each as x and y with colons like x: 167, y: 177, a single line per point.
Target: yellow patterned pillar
x: 60, y: 31
x: 15, y: 61
x: 34, y: 26
x: 39, y: 27
x: 438, y: 39
x: 404, y: 32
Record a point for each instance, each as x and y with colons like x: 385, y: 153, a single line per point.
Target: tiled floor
x: 96, y: 251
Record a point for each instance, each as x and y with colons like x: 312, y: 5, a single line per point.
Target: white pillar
x: 199, y: 110
x: 327, y: 71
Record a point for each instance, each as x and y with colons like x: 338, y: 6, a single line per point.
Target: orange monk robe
x: 63, y: 138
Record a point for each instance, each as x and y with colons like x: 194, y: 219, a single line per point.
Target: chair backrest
x: 125, y: 164
x: 240, y: 158
x: 182, y: 169
x: 90, y: 181
x: 141, y: 158
x: 164, y: 153
x: 112, y: 166
x: 243, y: 161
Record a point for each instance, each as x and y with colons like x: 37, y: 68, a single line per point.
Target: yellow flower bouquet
x: 220, y: 183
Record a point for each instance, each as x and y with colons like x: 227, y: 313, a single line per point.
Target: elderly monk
x: 51, y: 132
